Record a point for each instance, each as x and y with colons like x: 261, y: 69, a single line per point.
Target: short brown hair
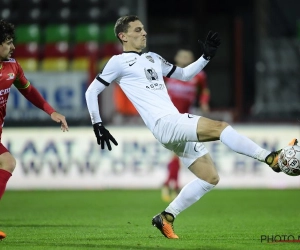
x: 122, y: 24
x: 7, y: 31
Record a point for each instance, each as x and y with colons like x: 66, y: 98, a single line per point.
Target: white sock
x: 190, y: 193
x: 242, y: 145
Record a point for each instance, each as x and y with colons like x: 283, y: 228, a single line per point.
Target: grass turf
x: 121, y: 219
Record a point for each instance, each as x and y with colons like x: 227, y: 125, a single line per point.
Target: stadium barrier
x: 64, y: 90
x: 50, y: 159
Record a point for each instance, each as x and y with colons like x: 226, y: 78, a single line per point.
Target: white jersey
x: 140, y: 75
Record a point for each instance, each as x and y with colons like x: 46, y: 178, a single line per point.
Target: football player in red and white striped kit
x: 11, y: 73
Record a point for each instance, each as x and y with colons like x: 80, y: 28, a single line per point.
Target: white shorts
x: 178, y: 133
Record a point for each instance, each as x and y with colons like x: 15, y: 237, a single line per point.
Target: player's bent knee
x: 223, y: 125
x: 214, y: 180
x: 11, y: 166
x: 208, y: 130
x: 8, y: 162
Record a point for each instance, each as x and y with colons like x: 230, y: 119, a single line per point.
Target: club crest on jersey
x: 150, y: 58
x: 11, y: 76
x: 151, y: 74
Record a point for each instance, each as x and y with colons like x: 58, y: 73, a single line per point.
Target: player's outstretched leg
x: 164, y: 222
x: 272, y: 158
x: 2, y: 235
x: 244, y: 145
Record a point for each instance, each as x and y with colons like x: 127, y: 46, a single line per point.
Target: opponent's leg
x: 7, y: 166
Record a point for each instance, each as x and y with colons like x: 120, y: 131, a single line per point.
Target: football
x: 289, y: 160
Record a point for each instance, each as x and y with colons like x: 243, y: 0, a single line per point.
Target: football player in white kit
x: 140, y: 75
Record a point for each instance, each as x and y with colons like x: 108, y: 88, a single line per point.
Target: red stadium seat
x: 85, y: 49
x: 27, y: 50
x: 56, y: 57
x: 56, y: 53
x: 59, y: 49
x: 27, y: 55
x: 110, y: 49
x: 83, y: 54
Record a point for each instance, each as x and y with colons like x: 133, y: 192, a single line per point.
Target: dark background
x: 232, y: 73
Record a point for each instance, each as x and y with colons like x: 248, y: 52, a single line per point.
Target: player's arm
x: 91, y: 96
x: 108, y: 75
x: 32, y: 95
x: 190, y: 71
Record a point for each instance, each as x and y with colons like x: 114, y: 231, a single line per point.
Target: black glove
x: 103, y: 135
x: 211, y: 45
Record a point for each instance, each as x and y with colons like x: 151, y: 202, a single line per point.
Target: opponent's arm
x: 32, y: 95
x: 203, y: 93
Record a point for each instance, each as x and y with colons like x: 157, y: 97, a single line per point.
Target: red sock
x: 4, y: 177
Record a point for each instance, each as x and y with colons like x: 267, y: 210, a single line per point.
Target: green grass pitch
x: 121, y: 219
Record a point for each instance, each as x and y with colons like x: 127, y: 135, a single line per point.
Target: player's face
x: 183, y: 58
x: 6, y: 49
x: 135, y: 38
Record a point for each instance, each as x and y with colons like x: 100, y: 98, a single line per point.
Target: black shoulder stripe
x: 102, y: 81
x: 171, y: 72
